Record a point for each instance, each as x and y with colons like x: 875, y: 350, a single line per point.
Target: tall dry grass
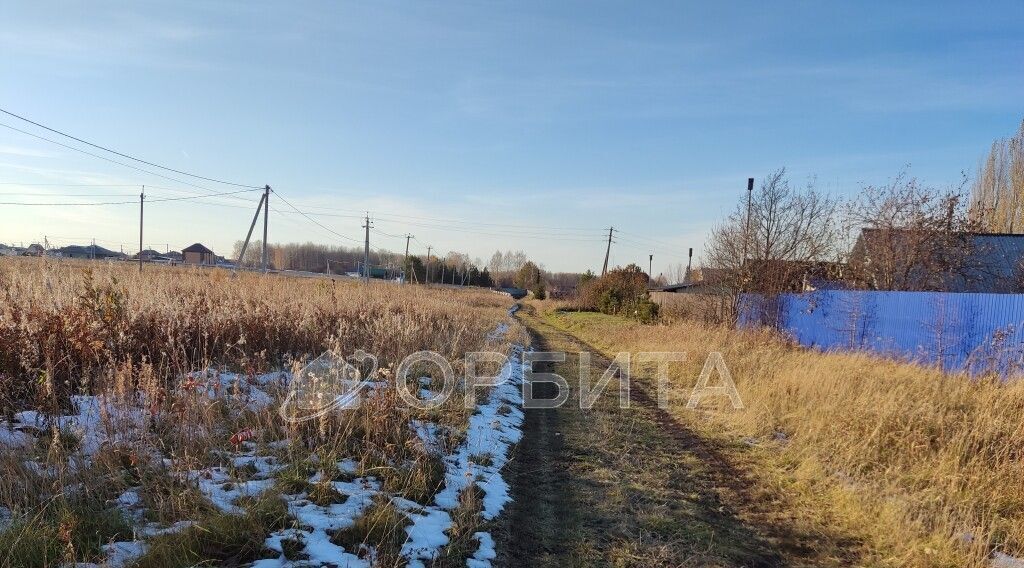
x: 706, y: 308
x: 64, y: 324
x: 927, y: 467
x: 142, y: 342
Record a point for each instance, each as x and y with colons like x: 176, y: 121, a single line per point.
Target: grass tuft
x: 65, y: 531
x: 382, y: 526
x: 220, y: 538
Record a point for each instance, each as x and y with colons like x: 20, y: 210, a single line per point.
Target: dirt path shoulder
x: 614, y: 486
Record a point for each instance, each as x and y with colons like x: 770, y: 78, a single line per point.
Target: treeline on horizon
x: 504, y: 269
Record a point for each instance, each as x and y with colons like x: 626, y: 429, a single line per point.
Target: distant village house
x: 198, y: 254
x: 946, y: 262
x: 88, y: 252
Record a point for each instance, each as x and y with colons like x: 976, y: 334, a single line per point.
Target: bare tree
x: 676, y: 273
x: 253, y: 254
x: 997, y: 194
x: 911, y: 237
x: 790, y: 231
x: 460, y: 263
x: 503, y: 266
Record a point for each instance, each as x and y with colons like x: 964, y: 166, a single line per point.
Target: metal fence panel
x: 977, y: 333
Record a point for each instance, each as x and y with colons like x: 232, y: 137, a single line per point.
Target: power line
x: 647, y: 247
x: 314, y: 221
x: 123, y: 155
x: 579, y: 234
x: 493, y: 232
x: 8, y: 194
x: 309, y: 215
x: 183, y: 198
x: 449, y: 220
x: 644, y: 242
x: 148, y: 187
x: 466, y: 227
x: 648, y: 250
x: 638, y: 237
x: 460, y: 226
x: 106, y: 159
x: 70, y: 184
x: 511, y: 231
x: 376, y: 230
x: 211, y: 192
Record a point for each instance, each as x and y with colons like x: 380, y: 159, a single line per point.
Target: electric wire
x: 312, y: 220
x: 131, y: 202
x: 123, y: 155
x: 106, y: 159
x: 577, y: 234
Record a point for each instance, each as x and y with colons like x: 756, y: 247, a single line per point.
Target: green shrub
x: 539, y: 291
x: 623, y: 291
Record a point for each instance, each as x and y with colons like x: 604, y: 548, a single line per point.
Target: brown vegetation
x: 783, y: 229
x: 150, y: 345
x: 921, y: 467
x: 997, y: 195
x: 66, y: 325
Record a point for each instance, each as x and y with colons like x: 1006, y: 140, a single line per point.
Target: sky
x: 476, y: 126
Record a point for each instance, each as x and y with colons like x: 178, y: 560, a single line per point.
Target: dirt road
x: 612, y: 486
x: 636, y: 487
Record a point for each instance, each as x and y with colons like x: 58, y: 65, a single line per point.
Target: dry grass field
x: 902, y: 465
x: 707, y: 308
x: 140, y: 422
x: 140, y: 427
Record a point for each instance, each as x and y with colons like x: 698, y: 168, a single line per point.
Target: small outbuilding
x: 198, y: 254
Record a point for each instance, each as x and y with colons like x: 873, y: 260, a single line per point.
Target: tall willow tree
x: 997, y: 196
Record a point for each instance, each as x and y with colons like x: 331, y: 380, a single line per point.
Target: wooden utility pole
x: 607, y: 251
x: 266, y: 213
x: 142, y: 200
x: 650, y: 267
x: 366, y: 250
x: 428, y: 265
x: 245, y: 245
x: 405, y: 266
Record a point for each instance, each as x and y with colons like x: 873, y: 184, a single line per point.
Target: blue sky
x: 649, y: 116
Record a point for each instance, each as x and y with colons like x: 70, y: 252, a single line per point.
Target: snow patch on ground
x: 223, y: 491
x: 317, y: 522
x: 494, y: 427
x: 1003, y: 560
x: 123, y: 553
x: 246, y: 391
x: 15, y: 439
x: 498, y: 332
x: 98, y: 422
x: 483, y: 556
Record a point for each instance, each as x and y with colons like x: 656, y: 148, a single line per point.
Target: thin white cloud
x: 25, y: 152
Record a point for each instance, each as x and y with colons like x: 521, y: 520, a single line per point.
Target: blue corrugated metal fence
x: 978, y: 333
